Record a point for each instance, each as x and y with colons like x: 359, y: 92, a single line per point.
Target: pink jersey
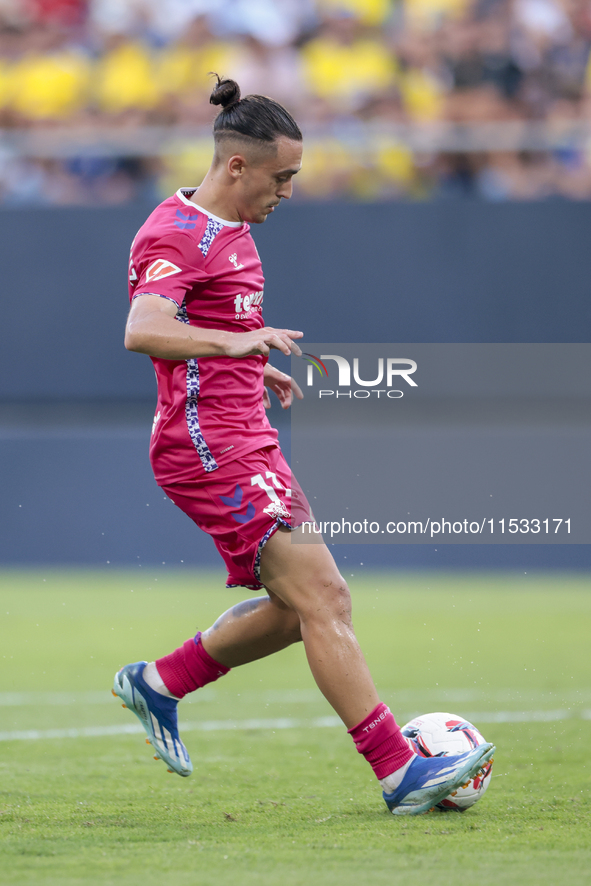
x: 210, y: 410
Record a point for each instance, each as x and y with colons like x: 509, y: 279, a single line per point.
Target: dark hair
x: 254, y: 117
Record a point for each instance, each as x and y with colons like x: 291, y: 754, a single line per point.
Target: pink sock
x: 381, y: 742
x: 189, y: 667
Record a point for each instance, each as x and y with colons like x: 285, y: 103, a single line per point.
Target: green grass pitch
x: 278, y: 795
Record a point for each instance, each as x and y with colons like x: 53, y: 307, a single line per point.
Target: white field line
x: 399, y: 698
x: 270, y: 725
x: 205, y: 726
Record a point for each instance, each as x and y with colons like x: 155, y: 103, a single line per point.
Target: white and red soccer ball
x: 443, y: 735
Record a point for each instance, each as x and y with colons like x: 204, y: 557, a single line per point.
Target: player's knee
x: 329, y: 599
x: 340, y: 600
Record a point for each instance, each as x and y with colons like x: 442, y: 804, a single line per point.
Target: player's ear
x: 236, y: 165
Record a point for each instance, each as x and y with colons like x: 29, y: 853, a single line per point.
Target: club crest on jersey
x: 234, y: 260
x: 161, y: 268
x: 277, y: 509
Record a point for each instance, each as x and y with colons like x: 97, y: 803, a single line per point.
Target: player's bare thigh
x: 304, y: 576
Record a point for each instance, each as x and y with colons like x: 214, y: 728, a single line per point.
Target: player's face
x: 265, y: 182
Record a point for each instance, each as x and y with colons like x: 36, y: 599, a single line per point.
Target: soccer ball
x: 442, y: 735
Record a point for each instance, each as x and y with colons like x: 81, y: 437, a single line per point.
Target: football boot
x: 428, y: 780
x: 158, y: 715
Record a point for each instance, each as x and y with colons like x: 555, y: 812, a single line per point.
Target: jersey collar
x: 222, y: 221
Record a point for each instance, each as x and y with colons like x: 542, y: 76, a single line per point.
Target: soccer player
x: 196, y: 289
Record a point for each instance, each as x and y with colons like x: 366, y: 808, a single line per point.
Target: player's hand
x: 261, y: 341
x: 283, y: 385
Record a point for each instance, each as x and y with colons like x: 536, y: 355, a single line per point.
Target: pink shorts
x: 241, y: 505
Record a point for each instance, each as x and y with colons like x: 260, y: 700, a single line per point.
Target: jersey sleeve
x: 168, y: 267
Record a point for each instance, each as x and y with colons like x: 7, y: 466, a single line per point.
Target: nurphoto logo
x: 388, y: 370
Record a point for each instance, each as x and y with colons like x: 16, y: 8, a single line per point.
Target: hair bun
x: 225, y: 93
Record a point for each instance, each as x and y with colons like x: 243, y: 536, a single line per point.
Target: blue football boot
x: 158, y: 715
x: 428, y: 780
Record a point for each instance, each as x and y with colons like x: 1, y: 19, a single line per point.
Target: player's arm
x: 152, y: 329
x: 283, y: 385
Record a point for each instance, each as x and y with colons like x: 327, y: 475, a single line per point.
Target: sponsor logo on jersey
x: 247, y: 304
x: 161, y: 268
x: 234, y: 260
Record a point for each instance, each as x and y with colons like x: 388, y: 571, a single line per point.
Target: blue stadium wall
x: 76, y: 486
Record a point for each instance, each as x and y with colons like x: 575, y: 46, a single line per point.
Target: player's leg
x: 306, y: 578
x: 251, y: 630
x: 247, y: 631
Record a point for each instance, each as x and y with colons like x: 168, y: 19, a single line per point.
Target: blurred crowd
x: 355, y: 74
